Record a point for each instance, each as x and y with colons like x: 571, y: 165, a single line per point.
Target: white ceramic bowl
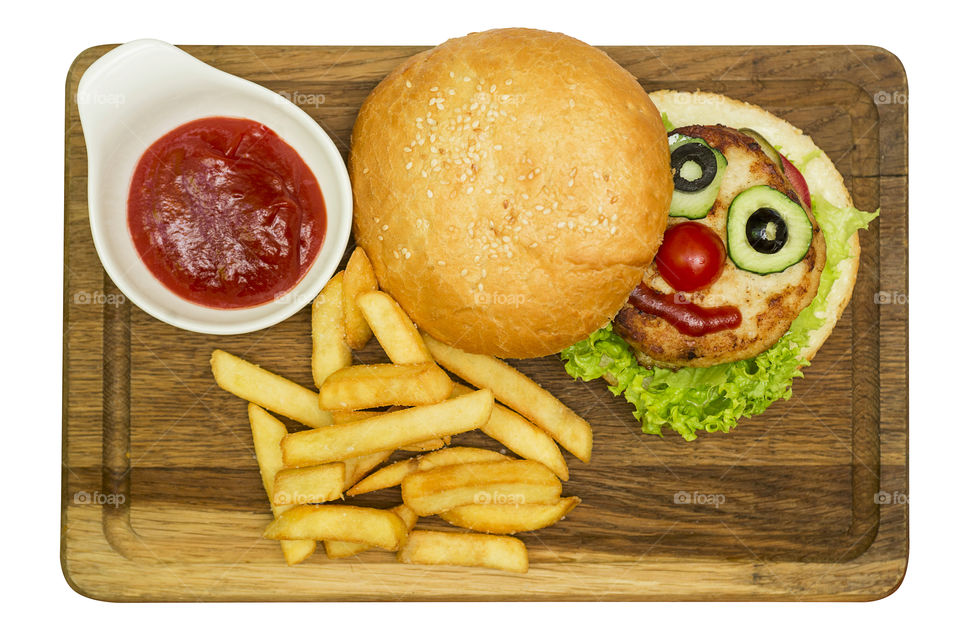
x: 138, y: 92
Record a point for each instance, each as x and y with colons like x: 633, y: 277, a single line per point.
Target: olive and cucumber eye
x: 697, y: 172
x: 767, y: 232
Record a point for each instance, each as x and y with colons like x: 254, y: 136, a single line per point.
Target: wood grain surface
x: 162, y: 500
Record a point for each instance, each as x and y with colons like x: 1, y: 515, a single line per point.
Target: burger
x: 519, y: 194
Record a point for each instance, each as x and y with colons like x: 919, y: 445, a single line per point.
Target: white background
x: 39, y: 44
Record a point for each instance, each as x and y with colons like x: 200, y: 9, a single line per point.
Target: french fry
x: 521, y: 436
x: 497, y: 482
x: 509, y: 519
x: 342, y: 549
x: 427, y: 547
x: 519, y: 392
x: 330, y: 349
x: 357, y: 467
x: 387, y: 431
x: 316, y: 484
x: 367, y: 525
x: 365, y: 386
x: 351, y: 416
x: 428, y: 445
x: 458, y: 456
x: 388, y: 476
x: 267, y: 389
x: 358, y: 278
x: 392, y: 475
x: 394, y: 330
x: 267, y: 434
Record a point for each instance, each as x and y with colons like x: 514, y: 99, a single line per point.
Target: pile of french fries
x: 307, y: 473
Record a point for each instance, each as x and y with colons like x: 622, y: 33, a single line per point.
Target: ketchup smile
x: 225, y: 213
x: 687, y: 318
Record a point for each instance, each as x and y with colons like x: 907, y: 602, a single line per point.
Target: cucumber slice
x: 767, y: 231
x: 697, y: 172
x: 765, y: 145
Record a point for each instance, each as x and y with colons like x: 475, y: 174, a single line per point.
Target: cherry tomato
x: 691, y: 257
x: 797, y: 180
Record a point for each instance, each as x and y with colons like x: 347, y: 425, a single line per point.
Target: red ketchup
x: 225, y: 213
x: 687, y: 318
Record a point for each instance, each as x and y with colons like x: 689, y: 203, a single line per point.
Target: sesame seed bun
x: 510, y: 188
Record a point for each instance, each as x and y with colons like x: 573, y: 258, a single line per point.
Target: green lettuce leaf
x: 714, y: 398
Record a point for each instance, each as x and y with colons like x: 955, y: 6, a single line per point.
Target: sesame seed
x: 429, y: 193
x: 452, y: 92
x: 466, y: 78
x: 570, y: 183
x: 493, y: 88
x: 379, y: 237
x: 409, y: 84
x: 470, y: 189
x: 442, y: 263
x: 561, y: 224
x: 463, y: 272
x: 499, y: 178
x: 409, y: 165
x: 366, y: 170
x: 497, y: 147
x: 385, y: 228
x: 508, y: 82
x: 479, y: 287
x: 408, y: 149
x: 396, y: 254
x: 434, y: 88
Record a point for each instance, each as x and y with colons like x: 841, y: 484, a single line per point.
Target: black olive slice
x: 697, y: 173
x: 701, y: 155
x: 767, y: 231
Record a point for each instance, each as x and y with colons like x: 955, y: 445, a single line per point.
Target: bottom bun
x: 701, y: 108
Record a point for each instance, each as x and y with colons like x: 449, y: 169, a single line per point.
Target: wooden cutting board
x: 162, y: 500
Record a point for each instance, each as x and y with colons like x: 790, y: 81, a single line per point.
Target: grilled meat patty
x: 768, y: 303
